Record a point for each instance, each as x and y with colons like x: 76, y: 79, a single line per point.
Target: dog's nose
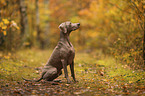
x: 78, y: 24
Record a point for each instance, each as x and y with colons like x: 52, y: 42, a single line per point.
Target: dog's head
x: 67, y: 27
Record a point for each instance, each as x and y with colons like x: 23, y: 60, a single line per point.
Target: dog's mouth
x: 78, y: 24
x: 76, y: 27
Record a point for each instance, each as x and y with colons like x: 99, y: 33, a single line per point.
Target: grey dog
x: 62, y: 55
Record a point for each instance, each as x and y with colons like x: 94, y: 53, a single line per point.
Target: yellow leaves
x: 4, y: 27
x: 5, y: 33
x: 17, y: 28
x: 5, y: 24
x: 5, y: 21
x: 1, y: 24
x: 26, y: 43
x: 130, y: 81
x: 75, y: 19
x: 7, y: 57
x: 81, y: 91
x: 113, y: 12
x: 124, y: 66
x: 105, y: 80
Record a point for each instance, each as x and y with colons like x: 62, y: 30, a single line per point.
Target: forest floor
x: 97, y: 74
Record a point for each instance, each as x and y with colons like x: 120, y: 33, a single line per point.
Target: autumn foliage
x: 109, y: 46
x: 114, y: 27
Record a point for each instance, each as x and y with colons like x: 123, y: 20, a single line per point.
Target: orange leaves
x: 104, y: 24
x: 95, y: 10
x: 2, y: 3
x: 83, y: 12
x: 94, y: 6
x: 4, y: 33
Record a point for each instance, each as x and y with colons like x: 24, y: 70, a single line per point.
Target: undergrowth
x: 101, y: 74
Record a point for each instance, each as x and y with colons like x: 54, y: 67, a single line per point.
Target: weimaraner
x: 62, y: 55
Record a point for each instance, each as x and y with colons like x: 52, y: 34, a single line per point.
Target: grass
x: 97, y: 74
x: 22, y: 63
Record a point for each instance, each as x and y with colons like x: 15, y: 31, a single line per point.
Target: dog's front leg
x: 72, y: 70
x: 64, y: 64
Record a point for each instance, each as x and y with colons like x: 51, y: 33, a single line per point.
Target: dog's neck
x: 65, y: 38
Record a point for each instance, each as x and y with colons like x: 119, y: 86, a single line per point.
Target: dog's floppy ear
x: 63, y: 28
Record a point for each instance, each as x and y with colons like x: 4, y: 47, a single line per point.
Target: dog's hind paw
x: 58, y: 81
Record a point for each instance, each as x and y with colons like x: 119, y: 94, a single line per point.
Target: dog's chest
x: 71, y: 55
x: 71, y: 52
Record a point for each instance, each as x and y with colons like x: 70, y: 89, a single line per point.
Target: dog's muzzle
x: 78, y: 24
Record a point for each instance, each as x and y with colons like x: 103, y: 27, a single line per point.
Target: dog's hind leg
x: 50, y: 74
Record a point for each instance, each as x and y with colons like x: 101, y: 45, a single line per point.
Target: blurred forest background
x: 114, y: 27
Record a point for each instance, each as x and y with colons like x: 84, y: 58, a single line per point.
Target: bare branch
x: 136, y: 7
x: 120, y: 8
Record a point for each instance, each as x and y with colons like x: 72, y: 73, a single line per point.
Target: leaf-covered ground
x: 97, y: 75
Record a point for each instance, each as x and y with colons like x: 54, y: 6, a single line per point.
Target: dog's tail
x: 33, y: 80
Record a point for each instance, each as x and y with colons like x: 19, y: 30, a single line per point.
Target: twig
x: 121, y: 9
x: 138, y: 11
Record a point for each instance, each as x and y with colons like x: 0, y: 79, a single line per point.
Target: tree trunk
x: 144, y: 40
x: 23, y: 18
x: 47, y: 25
x: 37, y: 20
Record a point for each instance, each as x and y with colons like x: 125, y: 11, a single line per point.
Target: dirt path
x: 97, y: 75
x: 38, y: 88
